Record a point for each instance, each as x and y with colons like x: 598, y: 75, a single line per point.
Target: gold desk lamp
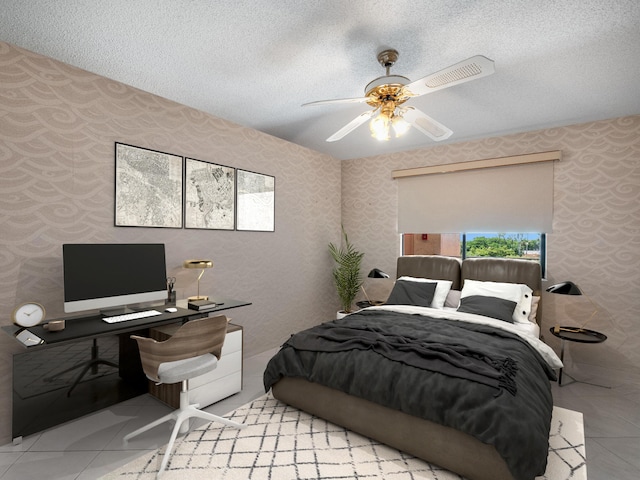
x: 201, y: 264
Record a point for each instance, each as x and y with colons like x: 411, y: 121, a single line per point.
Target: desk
x: 45, y: 391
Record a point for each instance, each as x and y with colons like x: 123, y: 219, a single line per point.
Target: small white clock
x: 28, y: 314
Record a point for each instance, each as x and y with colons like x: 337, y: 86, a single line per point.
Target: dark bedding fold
x: 462, y: 359
x: 350, y: 356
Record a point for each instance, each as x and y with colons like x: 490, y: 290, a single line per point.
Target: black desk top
x: 85, y: 327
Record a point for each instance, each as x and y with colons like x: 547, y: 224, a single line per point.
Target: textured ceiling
x: 255, y: 62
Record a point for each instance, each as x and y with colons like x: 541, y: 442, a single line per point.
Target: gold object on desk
x: 54, y: 325
x: 202, y: 264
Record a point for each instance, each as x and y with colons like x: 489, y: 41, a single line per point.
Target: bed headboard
x: 436, y: 267
x: 509, y: 270
x: 485, y: 269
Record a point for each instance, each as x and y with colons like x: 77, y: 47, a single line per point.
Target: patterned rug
x: 284, y: 443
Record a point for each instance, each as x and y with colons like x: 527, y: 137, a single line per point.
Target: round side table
x: 576, y: 334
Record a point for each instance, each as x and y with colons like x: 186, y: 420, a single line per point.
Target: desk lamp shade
x: 569, y: 288
x: 565, y: 288
x: 201, y: 264
x: 377, y: 273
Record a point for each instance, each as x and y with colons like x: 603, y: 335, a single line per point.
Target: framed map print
x: 256, y: 201
x: 148, y: 188
x: 210, y: 193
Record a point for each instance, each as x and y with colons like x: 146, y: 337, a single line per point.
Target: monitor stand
x: 112, y: 312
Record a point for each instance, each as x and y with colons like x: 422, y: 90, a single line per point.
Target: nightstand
x: 580, y: 335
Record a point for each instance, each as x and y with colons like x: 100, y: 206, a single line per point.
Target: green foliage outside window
x: 503, y: 245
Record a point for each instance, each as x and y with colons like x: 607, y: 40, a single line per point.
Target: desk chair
x: 192, y: 351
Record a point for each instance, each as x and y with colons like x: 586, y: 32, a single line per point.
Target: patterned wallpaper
x: 58, y: 126
x: 596, y: 229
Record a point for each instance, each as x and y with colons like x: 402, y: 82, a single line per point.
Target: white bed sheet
x: 529, y: 333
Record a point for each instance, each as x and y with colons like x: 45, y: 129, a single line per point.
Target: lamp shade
x: 202, y: 265
x: 565, y: 288
x: 377, y: 273
x: 197, y: 264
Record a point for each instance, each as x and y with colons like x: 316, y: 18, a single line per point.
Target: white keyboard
x: 131, y: 316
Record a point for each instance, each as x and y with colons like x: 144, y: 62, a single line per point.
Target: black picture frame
x: 209, y: 195
x: 148, y: 188
x: 255, y: 201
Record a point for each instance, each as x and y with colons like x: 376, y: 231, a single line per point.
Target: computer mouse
x: 171, y: 309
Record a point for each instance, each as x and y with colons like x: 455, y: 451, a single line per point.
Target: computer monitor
x: 103, y: 276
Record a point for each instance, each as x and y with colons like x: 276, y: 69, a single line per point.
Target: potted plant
x: 346, y: 273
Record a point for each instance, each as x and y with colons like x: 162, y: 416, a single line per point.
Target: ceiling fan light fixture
x: 379, y: 127
x: 387, y: 93
x: 400, y: 125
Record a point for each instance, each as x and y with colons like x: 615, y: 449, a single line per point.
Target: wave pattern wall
x: 596, y: 230
x: 58, y: 127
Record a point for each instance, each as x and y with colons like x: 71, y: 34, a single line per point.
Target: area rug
x: 284, y: 443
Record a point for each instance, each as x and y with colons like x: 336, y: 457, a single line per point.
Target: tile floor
x: 90, y: 447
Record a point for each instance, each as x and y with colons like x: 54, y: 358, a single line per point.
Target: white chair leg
x: 181, y: 417
x: 166, y: 418
x: 215, y: 418
x: 184, y: 414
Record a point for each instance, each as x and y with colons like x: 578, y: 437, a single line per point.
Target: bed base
x: 432, y: 442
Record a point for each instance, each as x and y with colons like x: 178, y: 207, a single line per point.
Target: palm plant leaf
x: 346, y: 274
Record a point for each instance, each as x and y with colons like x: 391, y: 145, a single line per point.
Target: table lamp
x: 201, y: 264
x: 377, y: 273
x: 374, y: 273
x: 569, y: 288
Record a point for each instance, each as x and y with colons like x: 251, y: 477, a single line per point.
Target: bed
x: 428, y: 374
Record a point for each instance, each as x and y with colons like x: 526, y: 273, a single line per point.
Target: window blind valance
x: 511, y: 194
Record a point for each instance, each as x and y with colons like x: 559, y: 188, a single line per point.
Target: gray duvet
x: 475, y: 378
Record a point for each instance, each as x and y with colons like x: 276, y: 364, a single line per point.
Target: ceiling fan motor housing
x: 386, y: 88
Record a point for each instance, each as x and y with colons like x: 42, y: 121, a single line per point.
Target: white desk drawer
x: 214, y: 392
x: 232, y: 343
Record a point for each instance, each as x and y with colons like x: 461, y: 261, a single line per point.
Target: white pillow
x: 442, y: 289
x: 515, y: 292
x: 535, y: 301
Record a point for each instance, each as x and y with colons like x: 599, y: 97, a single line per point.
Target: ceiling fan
x: 387, y: 94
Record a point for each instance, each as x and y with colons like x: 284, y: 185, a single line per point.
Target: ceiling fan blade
x: 427, y: 125
x: 339, y: 100
x: 352, y: 125
x: 465, y: 71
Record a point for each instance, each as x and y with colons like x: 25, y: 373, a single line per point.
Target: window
x: 528, y: 246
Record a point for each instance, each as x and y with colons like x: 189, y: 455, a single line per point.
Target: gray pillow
x: 493, y: 307
x: 406, y: 292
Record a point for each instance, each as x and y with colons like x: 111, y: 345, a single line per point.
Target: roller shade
x: 512, y: 198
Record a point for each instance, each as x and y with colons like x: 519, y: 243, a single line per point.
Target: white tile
x: 92, y: 432
x: 49, y: 465
x: 7, y: 459
x: 108, y: 461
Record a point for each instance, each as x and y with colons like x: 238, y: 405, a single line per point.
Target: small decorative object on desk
x: 28, y: 314
x: 202, y: 305
x: 54, y: 325
x: 171, y: 293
